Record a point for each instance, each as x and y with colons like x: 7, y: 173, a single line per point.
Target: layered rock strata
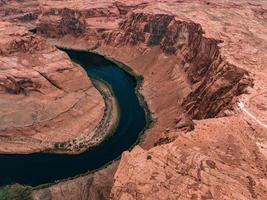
x: 93, y: 186
x: 45, y: 98
x: 218, y: 160
x: 199, y: 60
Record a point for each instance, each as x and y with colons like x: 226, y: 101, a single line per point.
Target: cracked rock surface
x: 210, y: 162
x: 199, y: 60
x: 44, y: 97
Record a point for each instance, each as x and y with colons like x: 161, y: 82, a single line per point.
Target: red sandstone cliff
x: 41, y: 91
x: 198, y: 59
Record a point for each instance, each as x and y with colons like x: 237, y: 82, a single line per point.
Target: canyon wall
x: 208, y: 84
x: 198, y: 59
x: 214, y: 82
x: 210, y: 162
x: 187, y: 76
x: 42, y: 91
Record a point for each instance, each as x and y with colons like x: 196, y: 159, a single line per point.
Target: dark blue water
x: 40, y: 168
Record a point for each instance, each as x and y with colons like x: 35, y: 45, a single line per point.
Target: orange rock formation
x: 204, y: 66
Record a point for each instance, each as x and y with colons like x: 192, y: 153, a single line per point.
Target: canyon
x: 204, y: 73
x: 41, y: 91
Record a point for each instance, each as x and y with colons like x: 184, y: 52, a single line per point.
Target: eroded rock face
x: 62, y: 22
x: 140, y: 28
x: 23, y: 11
x: 93, y: 186
x: 41, y: 91
x: 214, y: 81
x: 198, y: 58
x: 210, y: 162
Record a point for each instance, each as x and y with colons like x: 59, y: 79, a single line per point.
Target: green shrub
x: 15, y: 192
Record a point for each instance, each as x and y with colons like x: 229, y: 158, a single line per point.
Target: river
x: 40, y: 168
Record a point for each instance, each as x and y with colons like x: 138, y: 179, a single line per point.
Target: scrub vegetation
x: 15, y: 192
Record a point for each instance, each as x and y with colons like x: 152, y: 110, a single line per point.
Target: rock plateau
x: 205, y: 80
x: 45, y: 98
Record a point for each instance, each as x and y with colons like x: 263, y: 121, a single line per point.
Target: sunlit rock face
x: 214, y: 80
x: 198, y: 59
x: 41, y: 92
x: 210, y: 162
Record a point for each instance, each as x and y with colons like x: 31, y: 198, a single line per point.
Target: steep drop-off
x: 173, y: 56
x: 198, y: 59
x: 41, y: 92
x: 187, y: 75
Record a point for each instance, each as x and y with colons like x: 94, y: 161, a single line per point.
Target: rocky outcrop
x: 63, y: 22
x: 41, y: 92
x: 208, y: 84
x: 22, y: 11
x: 216, y: 161
x: 187, y: 74
x: 214, y: 82
x: 126, y: 7
x: 26, y: 44
x: 23, y: 85
x: 214, y: 93
x: 90, y: 187
x: 140, y: 28
x: 198, y: 58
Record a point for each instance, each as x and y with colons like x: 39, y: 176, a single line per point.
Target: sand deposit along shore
x: 123, y: 122
x: 200, y: 69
